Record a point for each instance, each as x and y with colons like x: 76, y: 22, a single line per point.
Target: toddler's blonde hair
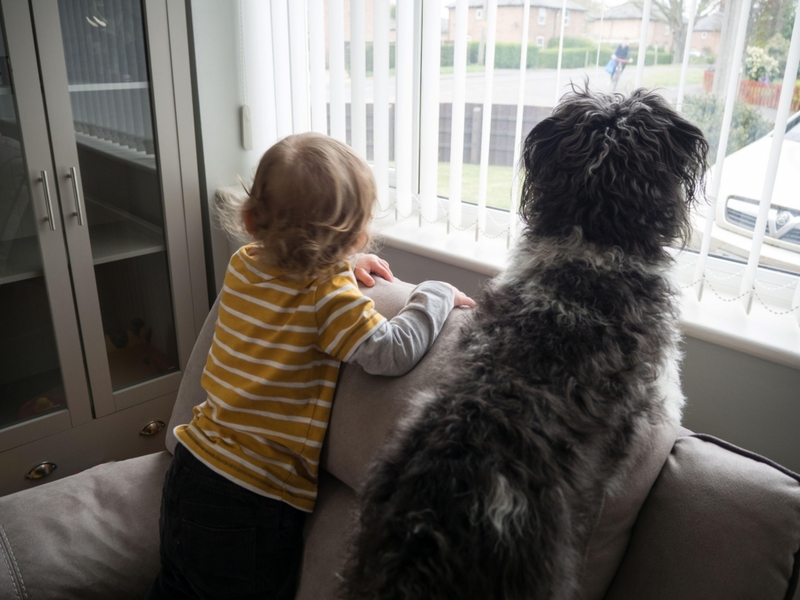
x: 311, y: 202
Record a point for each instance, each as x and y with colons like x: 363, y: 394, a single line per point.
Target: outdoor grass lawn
x: 498, y: 190
x: 670, y: 76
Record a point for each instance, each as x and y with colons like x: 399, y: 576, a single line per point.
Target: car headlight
x: 782, y: 223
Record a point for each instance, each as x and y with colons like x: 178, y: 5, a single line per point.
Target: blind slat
x: 429, y: 111
x: 259, y: 91
x: 687, y: 47
x: 280, y: 66
x: 784, y: 106
x: 733, y: 80
x: 380, y: 109
x: 316, y: 57
x: 298, y: 48
x: 457, y: 126
x: 403, y: 105
x: 523, y: 64
x: 599, y: 40
x: 358, y: 75
x: 643, y: 42
x: 336, y: 65
x: 560, y: 51
x: 486, y: 125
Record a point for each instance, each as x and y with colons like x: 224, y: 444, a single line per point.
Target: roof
x: 627, y: 12
x: 556, y: 4
x: 712, y: 22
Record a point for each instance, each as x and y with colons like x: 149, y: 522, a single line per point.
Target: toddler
x: 245, y: 470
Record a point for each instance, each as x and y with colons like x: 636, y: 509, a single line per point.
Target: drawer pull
x: 41, y: 470
x: 152, y: 428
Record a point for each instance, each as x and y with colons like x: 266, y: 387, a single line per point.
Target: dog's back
x: 486, y: 490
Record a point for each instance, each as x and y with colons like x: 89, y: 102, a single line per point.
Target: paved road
x: 540, y: 85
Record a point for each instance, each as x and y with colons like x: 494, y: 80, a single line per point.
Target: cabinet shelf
x: 111, y: 240
x: 22, y: 258
x: 122, y: 239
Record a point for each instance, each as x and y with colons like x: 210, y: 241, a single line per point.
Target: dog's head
x: 625, y: 171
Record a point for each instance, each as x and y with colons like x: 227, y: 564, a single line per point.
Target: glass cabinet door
x: 109, y: 90
x: 99, y: 108
x: 30, y: 374
x: 41, y: 365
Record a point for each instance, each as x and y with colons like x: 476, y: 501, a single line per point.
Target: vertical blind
x: 369, y: 72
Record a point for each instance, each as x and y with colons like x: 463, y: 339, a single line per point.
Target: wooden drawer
x: 113, y: 437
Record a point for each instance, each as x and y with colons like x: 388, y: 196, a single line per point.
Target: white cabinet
x: 102, y: 276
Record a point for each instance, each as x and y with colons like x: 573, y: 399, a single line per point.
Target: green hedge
x: 368, y: 52
x: 572, y: 42
x: 506, y: 55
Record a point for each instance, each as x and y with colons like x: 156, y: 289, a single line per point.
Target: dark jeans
x: 219, y: 540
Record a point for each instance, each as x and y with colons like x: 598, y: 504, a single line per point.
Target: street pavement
x: 540, y: 85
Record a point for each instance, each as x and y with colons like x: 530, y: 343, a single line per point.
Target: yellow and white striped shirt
x: 271, y: 374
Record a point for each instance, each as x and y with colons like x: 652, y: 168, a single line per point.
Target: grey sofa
x: 698, y: 518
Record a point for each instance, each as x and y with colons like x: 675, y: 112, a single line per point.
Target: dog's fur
x: 568, y: 363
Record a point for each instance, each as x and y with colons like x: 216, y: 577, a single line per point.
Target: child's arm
x: 396, y: 346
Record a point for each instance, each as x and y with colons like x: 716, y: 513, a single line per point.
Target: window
x: 666, y: 29
x: 479, y: 14
x: 542, y: 16
x: 566, y: 17
x: 704, y: 35
x: 456, y: 167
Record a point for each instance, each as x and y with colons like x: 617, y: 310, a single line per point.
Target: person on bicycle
x: 622, y: 56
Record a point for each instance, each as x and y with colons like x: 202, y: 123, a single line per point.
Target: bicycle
x: 618, y: 69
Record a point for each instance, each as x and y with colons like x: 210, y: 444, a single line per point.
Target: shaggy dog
x: 568, y: 363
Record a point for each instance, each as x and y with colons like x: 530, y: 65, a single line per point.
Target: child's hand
x: 461, y: 299
x: 369, y: 263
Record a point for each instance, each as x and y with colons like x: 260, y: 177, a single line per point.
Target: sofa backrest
x: 720, y: 522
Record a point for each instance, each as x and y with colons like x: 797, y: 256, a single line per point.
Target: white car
x: 737, y: 202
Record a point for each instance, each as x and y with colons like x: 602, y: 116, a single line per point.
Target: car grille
x: 748, y: 221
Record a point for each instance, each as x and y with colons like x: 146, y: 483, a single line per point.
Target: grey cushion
x: 720, y: 522
x: 326, y: 537
x: 91, y: 536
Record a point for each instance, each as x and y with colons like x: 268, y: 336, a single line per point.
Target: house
x: 706, y: 34
x: 544, y: 21
x: 625, y: 21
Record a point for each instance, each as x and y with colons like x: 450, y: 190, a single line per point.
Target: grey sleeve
x: 397, y: 345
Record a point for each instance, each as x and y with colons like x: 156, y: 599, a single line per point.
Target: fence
x: 757, y: 93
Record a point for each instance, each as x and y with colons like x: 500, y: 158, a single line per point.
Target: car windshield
x: 793, y: 130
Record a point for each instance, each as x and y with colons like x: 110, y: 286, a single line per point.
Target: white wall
x: 215, y: 24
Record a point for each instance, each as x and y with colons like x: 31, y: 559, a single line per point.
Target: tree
x: 769, y: 18
x: 673, y: 11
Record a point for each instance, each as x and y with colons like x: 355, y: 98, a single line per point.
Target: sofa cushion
x: 90, y: 536
x: 325, y: 539
x: 720, y: 522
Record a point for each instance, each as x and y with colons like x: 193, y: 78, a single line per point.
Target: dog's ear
x: 624, y: 171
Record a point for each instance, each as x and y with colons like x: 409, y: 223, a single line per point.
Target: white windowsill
x: 718, y: 320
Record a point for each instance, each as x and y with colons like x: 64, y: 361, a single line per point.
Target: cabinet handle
x: 152, y: 428
x: 50, y: 217
x: 73, y: 174
x: 41, y: 470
